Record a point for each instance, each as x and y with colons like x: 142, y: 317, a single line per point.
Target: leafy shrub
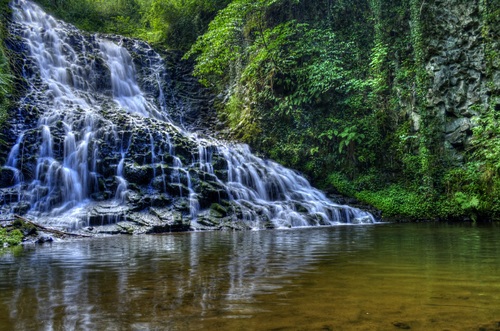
x: 341, y: 184
x: 397, y: 202
x: 10, y: 238
x: 172, y: 23
x: 6, y: 78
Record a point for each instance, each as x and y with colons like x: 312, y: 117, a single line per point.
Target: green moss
x: 25, y: 227
x: 341, y: 184
x: 10, y: 237
x: 167, y: 23
x: 396, y: 202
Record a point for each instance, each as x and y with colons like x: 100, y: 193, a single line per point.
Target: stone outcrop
x: 459, y: 40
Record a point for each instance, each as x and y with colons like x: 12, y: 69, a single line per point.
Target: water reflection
x: 148, y: 281
x: 347, y: 278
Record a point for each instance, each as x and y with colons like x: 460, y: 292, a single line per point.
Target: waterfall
x: 103, y: 145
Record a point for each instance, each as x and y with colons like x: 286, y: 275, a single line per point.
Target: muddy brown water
x: 376, y: 277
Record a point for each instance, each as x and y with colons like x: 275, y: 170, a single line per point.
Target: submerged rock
x: 401, y: 325
x: 42, y: 239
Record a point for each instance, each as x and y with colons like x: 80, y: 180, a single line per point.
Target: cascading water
x: 103, y: 148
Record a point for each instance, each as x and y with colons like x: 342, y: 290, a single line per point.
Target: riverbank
x: 409, y: 203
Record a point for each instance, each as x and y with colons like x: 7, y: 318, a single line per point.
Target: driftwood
x: 54, y: 231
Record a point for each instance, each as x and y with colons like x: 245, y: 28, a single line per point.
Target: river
x: 375, y: 277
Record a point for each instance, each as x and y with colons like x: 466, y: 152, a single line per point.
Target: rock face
x: 459, y: 41
x: 108, y: 140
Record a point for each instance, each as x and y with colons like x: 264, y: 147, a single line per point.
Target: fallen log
x: 54, y: 231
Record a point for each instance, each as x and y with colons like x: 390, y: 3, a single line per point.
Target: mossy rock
x: 217, y: 210
x: 26, y: 228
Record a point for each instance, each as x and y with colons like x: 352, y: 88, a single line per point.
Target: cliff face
x: 464, y: 79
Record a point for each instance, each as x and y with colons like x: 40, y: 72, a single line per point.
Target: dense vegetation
x: 335, y: 89
x: 10, y: 238
x: 6, y: 78
x: 172, y: 23
x: 317, y: 88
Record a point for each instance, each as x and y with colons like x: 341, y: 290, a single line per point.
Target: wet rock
x: 138, y: 174
x: 462, y: 79
x: 171, y: 221
x: 493, y: 326
x: 43, y: 238
x: 401, y: 325
x: 458, y: 131
x: 112, y: 229
x: 107, y: 213
x: 217, y: 210
x: 178, y: 225
x: 9, y: 195
x: 21, y: 207
x: 461, y: 124
x: 211, y: 192
x: 7, y: 177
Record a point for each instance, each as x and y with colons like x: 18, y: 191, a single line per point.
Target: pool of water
x: 379, y: 277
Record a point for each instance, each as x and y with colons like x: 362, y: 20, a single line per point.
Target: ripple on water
x: 426, y: 277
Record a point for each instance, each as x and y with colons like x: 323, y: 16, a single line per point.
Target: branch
x: 54, y: 231
x: 422, y: 7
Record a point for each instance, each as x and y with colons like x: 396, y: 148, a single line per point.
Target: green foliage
x: 399, y: 203
x: 10, y: 238
x: 377, y: 63
x: 294, y: 65
x: 464, y: 195
x: 25, y: 227
x: 348, y: 137
x: 475, y: 187
x: 341, y: 183
x: 14, y: 233
x: 395, y: 201
x: 486, y: 140
x: 172, y: 23
x: 103, y: 15
x: 466, y: 202
x: 5, y: 87
x: 294, y: 73
x: 239, y: 118
x: 490, y: 29
x: 222, y: 45
x: 177, y: 23
x: 6, y: 77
